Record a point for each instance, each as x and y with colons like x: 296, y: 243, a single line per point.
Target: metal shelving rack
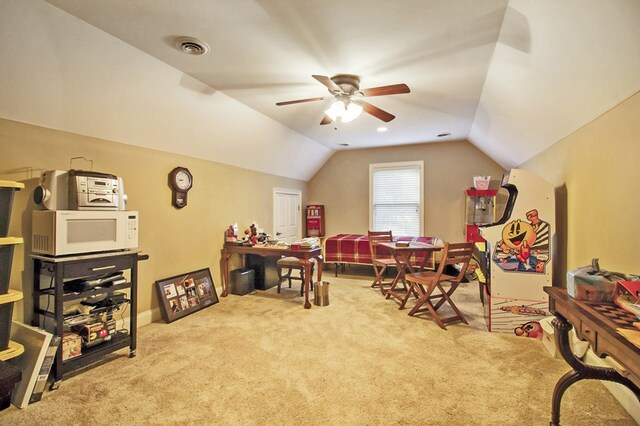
x: 59, y: 269
x: 9, y: 349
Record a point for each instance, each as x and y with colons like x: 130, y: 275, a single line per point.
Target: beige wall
x: 177, y: 240
x: 342, y: 185
x: 596, y: 174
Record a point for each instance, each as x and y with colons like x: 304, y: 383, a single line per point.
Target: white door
x: 286, y: 214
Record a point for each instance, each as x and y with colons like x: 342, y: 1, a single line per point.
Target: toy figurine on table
x: 251, y: 235
x: 254, y: 234
x: 230, y: 235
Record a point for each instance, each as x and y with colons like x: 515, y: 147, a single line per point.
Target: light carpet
x: 262, y: 359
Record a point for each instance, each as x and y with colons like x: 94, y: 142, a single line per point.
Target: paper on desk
x: 631, y: 335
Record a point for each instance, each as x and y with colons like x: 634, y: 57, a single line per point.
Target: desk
x: 303, y: 254
x: 403, y: 255
x: 597, y: 323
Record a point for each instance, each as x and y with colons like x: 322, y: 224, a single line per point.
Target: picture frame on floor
x: 184, y: 294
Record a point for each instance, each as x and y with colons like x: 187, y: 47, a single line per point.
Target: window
x: 396, y: 197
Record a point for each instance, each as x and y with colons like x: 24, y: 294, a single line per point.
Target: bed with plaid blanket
x: 354, y: 248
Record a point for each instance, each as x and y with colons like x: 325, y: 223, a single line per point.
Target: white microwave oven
x: 62, y: 232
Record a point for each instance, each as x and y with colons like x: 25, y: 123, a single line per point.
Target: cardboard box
x: 578, y: 347
x: 584, y: 284
x: 481, y: 182
x: 71, y: 346
x: 95, y: 333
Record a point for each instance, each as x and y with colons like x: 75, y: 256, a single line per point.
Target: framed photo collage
x: 185, y: 294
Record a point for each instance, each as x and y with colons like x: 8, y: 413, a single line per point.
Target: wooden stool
x: 290, y: 263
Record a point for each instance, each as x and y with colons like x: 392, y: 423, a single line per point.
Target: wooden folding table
x: 405, y: 256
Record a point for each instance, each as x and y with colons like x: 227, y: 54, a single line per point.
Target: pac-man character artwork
x: 524, y: 246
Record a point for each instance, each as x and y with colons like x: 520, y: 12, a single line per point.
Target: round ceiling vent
x: 192, y: 46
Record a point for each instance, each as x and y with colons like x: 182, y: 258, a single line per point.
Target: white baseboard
x: 147, y: 317
x: 625, y: 397
x: 144, y: 318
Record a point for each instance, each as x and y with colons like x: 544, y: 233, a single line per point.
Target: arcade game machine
x: 518, y: 256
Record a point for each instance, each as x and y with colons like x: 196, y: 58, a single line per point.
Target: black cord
x: 122, y: 312
x: 49, y: 296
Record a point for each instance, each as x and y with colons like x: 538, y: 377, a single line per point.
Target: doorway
x: 286, y: 214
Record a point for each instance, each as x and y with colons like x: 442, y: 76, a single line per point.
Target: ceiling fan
x: 347, y: 95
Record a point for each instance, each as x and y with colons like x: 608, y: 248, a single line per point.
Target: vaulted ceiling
x: 511, y: 76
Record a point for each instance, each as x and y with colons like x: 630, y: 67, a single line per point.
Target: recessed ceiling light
x: 382, y: 129
x: 192, y: 46
x: 343, y: 144
x: 442, y: 135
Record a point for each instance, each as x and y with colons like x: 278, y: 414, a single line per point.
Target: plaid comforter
x: 354, y: 248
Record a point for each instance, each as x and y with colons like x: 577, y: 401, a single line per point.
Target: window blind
x: 396, y: 199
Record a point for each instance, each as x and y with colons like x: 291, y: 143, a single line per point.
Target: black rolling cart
x: 49, y: 298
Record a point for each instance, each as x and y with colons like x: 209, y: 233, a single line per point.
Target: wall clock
x: 180, y: 181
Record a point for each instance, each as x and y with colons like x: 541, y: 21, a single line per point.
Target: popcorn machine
x: 480, y: 210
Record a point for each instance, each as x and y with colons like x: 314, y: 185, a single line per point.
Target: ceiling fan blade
x: 326, y: 120
x: 394, y: 89
x: 328, y: 82
x: 299, y: 101
x: 377, y: 112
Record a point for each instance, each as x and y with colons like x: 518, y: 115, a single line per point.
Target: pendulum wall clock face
x: 180, y: 181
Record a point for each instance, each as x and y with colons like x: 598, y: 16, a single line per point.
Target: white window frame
x: 398, y: 165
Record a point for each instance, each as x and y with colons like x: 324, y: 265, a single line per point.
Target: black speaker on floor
x: 266, y: 271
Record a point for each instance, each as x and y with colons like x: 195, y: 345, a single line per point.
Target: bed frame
x: 345, y: 249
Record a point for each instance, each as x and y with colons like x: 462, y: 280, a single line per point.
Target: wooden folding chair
x: 380, y: 263
x: 423, y: 284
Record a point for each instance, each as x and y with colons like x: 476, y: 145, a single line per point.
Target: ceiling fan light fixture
x: 336, y: 110
x: 345, y: 113
x: 347, y: 103
x: 353, y: 110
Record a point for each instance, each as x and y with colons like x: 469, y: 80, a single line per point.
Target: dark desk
x: 597, y: 323
x: 303, y: 254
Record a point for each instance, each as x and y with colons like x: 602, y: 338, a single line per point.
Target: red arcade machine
x: 315, y: 220
x: 518, y: 254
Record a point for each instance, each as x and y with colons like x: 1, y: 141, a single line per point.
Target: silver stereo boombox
x: 80, y: 190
